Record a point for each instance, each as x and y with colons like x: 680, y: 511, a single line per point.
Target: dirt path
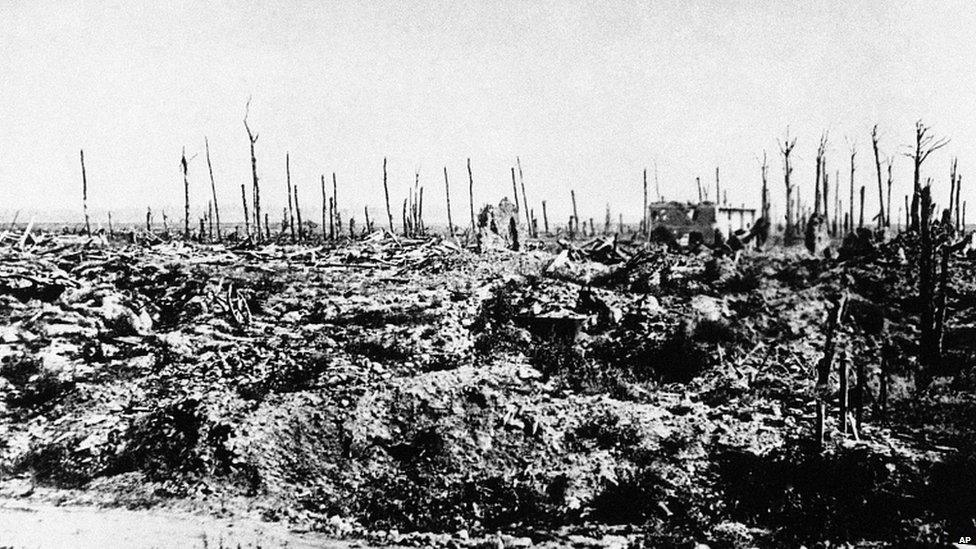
x: 32, y: 525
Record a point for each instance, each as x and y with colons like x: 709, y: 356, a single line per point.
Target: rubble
x: 406, y: 390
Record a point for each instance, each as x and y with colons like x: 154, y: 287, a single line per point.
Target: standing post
x: 148, y: 219
x: 111, y: 232
x: 84, y: 194
x: 332, y: 232
x: 447, y: 194
x: 213, y: 189
x: 369, y: 224
x: 386, y: 194
x: 850, y: 227
x: 210, y: 221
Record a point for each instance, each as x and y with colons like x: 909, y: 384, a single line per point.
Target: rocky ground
x: 412, y: 392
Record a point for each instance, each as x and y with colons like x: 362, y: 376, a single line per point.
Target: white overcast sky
x: 587, y: 94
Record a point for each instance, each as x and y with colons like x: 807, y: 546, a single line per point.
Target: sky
x: 586, y: 94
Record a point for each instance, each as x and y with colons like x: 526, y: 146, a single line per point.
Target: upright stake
x: 332, y: 232
x: 447, y: 194
x: 369, y: 224
x: 213, y: 189
x: 386, y: 194
x: 851, y: 209
x: 111, y: 232
x: 84, y: 194
x: 888, y: 217
x: 210, y: 220
x: 148, y: 219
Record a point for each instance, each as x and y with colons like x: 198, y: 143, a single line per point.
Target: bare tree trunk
x: 545, y: 218
x: 247, y: 216
x: 525, y: 201
x: 335, y: 204
x: 148, y: 219
x: 386, y: 194
x: 888, y: 218
x: 718, y: 192
x: 471, y: 197
x: 298, y: 214
x: 111, y: 231
x: 826, y: 363
x: 186, y: 198
x: 786, y: 149
x: 325, y: 202
x: 255, y: 189
x: 369, y: 224
x: 291, y: 208
x: 447, y: 194
x: 515, y: 190
x: 332, y: 231
x: 84, y: 194
x: 213, y: 189
x: 877, y: 167
x: 210, y: 221
x: 644, y: 211
x: 572, y: 194
x: 860, y: 219
x: 850, y: 228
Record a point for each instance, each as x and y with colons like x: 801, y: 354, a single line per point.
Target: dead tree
x: 210, y: 221
x: 386, y: 194
x: 447, y: 194
x: 644, y: 211
x: 882, y: 216
x: 471, y: 196
x: 525, y: 201
x: 545, y: 218
x: 850, y: 215
x: 213, y: 188
x: 888, y: 218
x: 291, y: 211
x: 860, y: 219
x: 718, y: 191
x: 764, y: 170
x: 821, y: 150
x: 148, y: 219
x: 369, y: 224
x: 298, y: 214
x: 84, y: 194
x: 925, y: 145
x: 186, y: 197
x: 826, y: 364
x: 572, y: 194
x: 335, y: 204
x: 111, y: 231
x: 255, y: 188
x: 325, y: 207
x: 247, y: 217
x: 515, y: 190
x: 785, y: 150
